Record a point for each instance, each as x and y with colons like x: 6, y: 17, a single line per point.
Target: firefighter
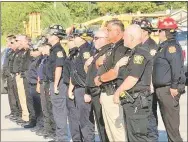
x: 169, y: 77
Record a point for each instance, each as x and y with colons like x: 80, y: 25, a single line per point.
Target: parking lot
x: 10, y: 131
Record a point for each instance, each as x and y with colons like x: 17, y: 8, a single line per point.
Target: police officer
x: 25, y: 62
x: 135, y: 88
x: 57, y: 88
x: 43, y: 89
x: 14, y: 87
x: 29, y: 74
x: 169, y: 78
x: 71, y: 104
x: 106, y: 78
x: 34, y: 96
x: 92, y: 92
x: 77, y: 83
x: 16, y: 71
x: 147, y: 41
x: 11, y: 88
x: 152, y: 47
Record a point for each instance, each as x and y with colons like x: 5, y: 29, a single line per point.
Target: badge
x: 86, y: 55
x: 60, y: 54
x: 138, y: 59
x: 108, y: 53
x: 172, y: 49
x: 152, y: 52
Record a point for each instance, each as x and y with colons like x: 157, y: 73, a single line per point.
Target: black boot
x: 9, y: 116
x: 31, y: 124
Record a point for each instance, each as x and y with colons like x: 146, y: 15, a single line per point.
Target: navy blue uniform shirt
x: 56, y: 59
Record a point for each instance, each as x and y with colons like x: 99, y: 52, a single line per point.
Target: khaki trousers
x: 22, y: 98
x: 113, y: 119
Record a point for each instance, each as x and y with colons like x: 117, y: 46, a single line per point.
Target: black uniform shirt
x: 26, y: 60
x: 6, y: 64
x: 32, y: 75
x: 17, y: 61
x: 66, y: 71
x: 139, y: 66
x: 77, y: 63
x: 92, y: 70
x: 151, y: 46
x: 168, y: 65
x: 56, y: 59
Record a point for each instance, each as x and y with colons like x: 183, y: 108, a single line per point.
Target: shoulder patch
x: 172, y: 49
x: 59, y: 54
x: 138, y: 59
x: 86, y: 55
x: 153, y: 52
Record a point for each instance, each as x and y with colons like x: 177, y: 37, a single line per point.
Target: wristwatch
x: 99, y: 79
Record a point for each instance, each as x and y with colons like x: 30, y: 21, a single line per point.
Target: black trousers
x: 99, y: 119
x: 14, y: 102
x: 140, y: 122
x: 59, y: 109
x: 35, y: 102
x: 29, y: 99
x: 85, y: 115
x: 49, y: 123
x: 73, y: 119
x: 170, y: 109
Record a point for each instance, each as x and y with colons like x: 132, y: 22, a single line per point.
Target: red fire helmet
x: 167, y: 23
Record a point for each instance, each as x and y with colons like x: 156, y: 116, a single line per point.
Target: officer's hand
x: 152, y: 89
x: 56, y: 91
x: 70, y: 95
x: 116, y: 97
x: 38, y: 88
x: 71, y: 44
x: 173, y: 92
x: 122, y: 62
x: 87, y: 98
x: 100, y: 61
x: 97, y: 82
x: 88, y: 62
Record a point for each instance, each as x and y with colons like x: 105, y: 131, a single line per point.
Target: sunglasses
x: 96, y: 38
x: 160, y: 31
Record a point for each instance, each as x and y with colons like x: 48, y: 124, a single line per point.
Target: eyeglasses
x: 96, y: 38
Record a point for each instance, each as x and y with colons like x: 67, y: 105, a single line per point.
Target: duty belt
x: 42, y: 82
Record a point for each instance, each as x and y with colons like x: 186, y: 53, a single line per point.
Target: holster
x: 109, y: 88
x: 93, y: 91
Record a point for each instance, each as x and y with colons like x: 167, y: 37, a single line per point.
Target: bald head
x: 100, y: 38
x: 132, y: 36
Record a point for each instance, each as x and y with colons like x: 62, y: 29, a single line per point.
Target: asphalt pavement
x: 10, y: 131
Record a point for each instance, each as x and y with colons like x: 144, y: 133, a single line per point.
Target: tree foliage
x: 66, y: 13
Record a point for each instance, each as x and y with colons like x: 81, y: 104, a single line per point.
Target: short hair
x: 117, y: 22
x: 10, y: 37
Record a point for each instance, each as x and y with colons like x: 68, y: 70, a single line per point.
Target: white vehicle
x: 182, y: 39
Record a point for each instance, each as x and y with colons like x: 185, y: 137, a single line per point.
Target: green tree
x: 56, y: 15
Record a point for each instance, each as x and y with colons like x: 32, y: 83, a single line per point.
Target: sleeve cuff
x: 174, y: 86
